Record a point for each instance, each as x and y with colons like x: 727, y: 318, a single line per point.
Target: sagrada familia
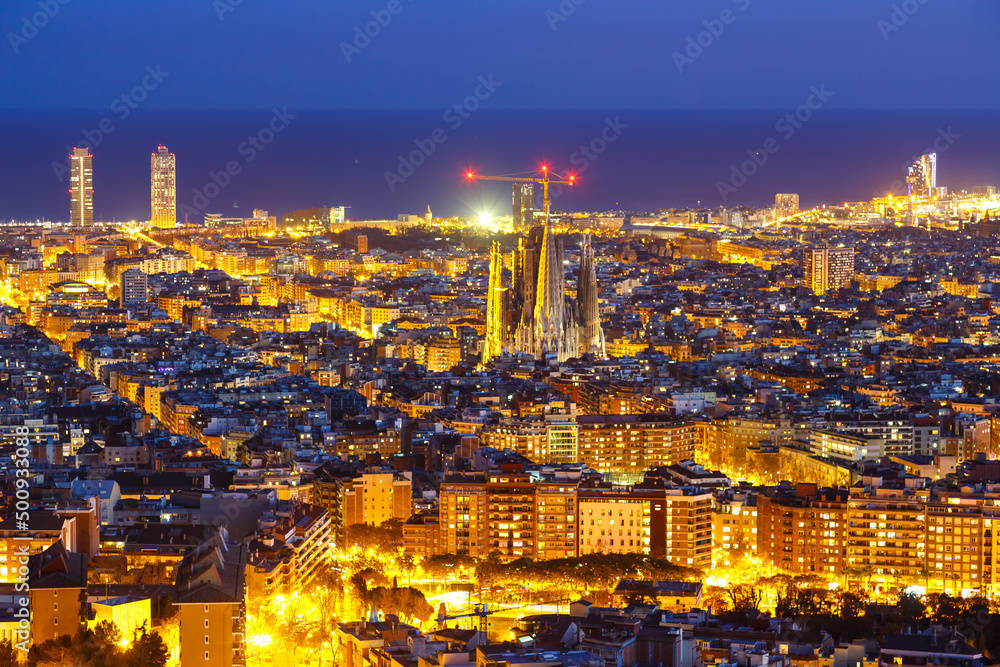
x: 533, y: 314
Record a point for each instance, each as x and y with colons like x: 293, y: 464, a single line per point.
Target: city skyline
x: 559, y: 334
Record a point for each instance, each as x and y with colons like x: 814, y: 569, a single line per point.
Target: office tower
x: 163, y: 176
x: 921, y: 177
x: 81, y: 193
x: 787, y: 203
x: 827, y: 269
x: 496, y: 299
x: 135, y: 288
x: 524, y: 204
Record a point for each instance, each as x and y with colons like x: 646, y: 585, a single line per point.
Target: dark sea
x: 383, y: 163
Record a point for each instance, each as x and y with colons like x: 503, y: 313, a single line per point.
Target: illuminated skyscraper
x: 787, y: 203
x: 921, y: 177
x: 163, y: 176
x: 524, y: 205
x: 827, y: 269
x: 81, y: 192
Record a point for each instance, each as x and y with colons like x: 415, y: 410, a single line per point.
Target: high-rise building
x: 524, y: 205
x: 786, y: 203
x: 921, y: 177
x: 81, y: 192
x: 135, y: 288
x: 827, y: 269
x: 163, y: 176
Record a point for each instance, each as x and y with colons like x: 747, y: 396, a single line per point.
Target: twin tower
x: 534, y: 315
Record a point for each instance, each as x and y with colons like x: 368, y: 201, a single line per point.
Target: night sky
x: 545, y: 53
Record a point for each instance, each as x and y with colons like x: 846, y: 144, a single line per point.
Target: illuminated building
x: 421, y: 535
x: 958, y: 558
x: 802, y: 530
x: 615, y: 519
x: 786, y: 203
x: 496, y: 307
x: 75, y: 294
x: 211, y: 595
x: 290, y: 548
x: 625, y: 446
x: 134, y: 288
x: 591, y: 335
x: 524, y: 205
x: 734, y: 527
x: 374, y: 498
x: 550, y: 324
x: 886, y: 533
x: 515, y: 514
x: 827, y: 269
x: 526, y: 436
x: 81, y: 192
x: 57, y: 580
x: 689, y: 527
x: 45, y: 531
x: 163, y: 177
x: 921, y: 177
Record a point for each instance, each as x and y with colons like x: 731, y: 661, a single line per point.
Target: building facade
x: 163, y: 176
x: 81, y: 188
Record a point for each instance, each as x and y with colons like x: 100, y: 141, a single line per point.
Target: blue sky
x: 603, y: 53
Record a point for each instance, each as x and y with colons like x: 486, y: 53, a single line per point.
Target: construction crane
x: 480, y: 610
x: 548, y: 177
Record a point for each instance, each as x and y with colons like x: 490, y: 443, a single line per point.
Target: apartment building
x: 377, y: 496
x: 886, y: 533
x: 211, y: 595
x: 802, y: 529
